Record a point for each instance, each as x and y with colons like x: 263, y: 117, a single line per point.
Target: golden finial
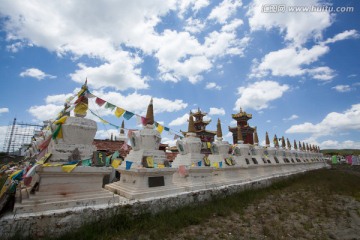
x: 256, y: 138
x: 218, y: 129
x: 122, y: 131
x: 150, y: 113
x: 267, y: 140
x: 283, y: 142
x: 191, y: 128
x: 276, y: 141
x: 288, y: 143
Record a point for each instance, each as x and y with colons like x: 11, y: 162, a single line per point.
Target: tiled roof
x: 110, y: 147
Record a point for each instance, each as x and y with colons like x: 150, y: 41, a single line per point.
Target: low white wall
x: 56, y: 223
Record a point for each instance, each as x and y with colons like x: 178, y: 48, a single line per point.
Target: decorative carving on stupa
x: 241, y: 119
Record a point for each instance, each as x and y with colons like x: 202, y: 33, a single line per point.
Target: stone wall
x: 55, y: 223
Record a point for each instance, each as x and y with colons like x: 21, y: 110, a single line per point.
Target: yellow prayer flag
x: 81, y: 108
x: 150, y: 162
x: 208, y: 144
x: 160, y: 128
x: 61, y: 120
x: 51, y: 165
x: 115, y: 163
x: 161, y: 165
x: 119, y: 112
x: 68, y: 168
x: 216, y: 164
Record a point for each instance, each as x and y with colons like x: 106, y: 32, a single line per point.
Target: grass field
x: 322, y: 204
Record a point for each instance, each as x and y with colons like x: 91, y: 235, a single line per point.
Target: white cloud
x: 342, y: 88
x: 180, y: 120
x: 119, y: 74
x: 119, y: 39
x: 292, y: 117
x: 171, y: 142
x: 106, y: 134
x: 4, y: 110
x: 194, y: 5
x: 45, y: 112
x: 138, y: 103
x: 217, y: 111
x: 333, y: 144
x: 290, y: 61
x: 321, y: 73
x: 297, y: 27
x: 133, y: 102
x: 194, y: 25
x: 58, y: 99
x: 212, y: 85
x: 224, y: 10
x: 36, y: 73
x: 258, y: 95
x: 332, y: 123
x: 342, y: 36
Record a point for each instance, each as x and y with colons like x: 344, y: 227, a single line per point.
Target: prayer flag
x: 89, y: 95
x: 182, y: 171
x: 128, y: 165
x: 100, y: 101
x: 208, y: 144
x: 119, y: 112
x: 166, y: 129
x: 109, y: 106
x: 161, y: 165
x: 62, y: 120
x: 86, y: 162
x: 68, y: 168
x: 57, y: 133
x: 216, y: 164
x: 127, y: 115
x: 115, y: 163
x: 81, y: 108
x: 160, y: 128
x: 116, y: 154
x: 143, y: 121
x: 199, y: 163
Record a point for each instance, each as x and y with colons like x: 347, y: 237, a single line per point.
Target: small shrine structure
x: 242, y: 119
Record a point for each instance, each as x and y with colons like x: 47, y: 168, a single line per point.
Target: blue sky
x: 298, y: 73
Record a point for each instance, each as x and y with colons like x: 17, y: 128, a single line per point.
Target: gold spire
x: 122, y: 131
x: 218, y: 129
x: 239, y: 134
x: 191, y: 128
x: 295, y: 146
x: 267, y: 140
x: 150, y: 113
x: 276, y: 141
x: 288, y: 143
x: 256, y: 138
x: 283, y: 142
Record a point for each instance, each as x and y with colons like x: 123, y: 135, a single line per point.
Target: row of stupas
x: 145, y: 172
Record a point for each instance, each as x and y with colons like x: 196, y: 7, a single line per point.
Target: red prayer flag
x: 100, y: 101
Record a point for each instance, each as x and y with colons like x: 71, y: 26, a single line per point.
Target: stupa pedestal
x: 82, y: 187
x: 189, y: 174
x: 140, y: 181
x: 228, y: 172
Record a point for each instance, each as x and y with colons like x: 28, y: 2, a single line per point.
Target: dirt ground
x: 307, y: 213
